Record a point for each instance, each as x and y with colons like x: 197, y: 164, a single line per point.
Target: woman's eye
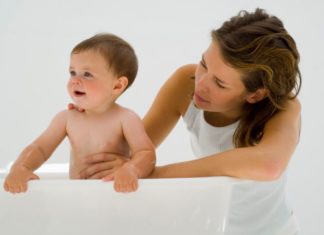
x: 202, y: 63
x: 219, y: 85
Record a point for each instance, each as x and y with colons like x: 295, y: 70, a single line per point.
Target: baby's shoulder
x: 126, y: 111
x: 61, y: 114
x: 127, y: 114
x: 60, y: 118
x: 72, y: 113
x: 73, y: 116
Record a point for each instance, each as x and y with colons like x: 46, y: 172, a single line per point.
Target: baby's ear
x: 120, y: 85
x: 257, y: 96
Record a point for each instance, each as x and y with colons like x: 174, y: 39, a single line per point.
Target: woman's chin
x: 199, y: 104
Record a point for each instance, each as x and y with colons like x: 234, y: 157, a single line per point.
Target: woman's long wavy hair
x: 258, y: 45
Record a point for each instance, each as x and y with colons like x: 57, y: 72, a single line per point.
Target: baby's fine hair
x: 119, y: 54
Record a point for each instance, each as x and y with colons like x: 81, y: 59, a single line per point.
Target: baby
x: 101, y: 69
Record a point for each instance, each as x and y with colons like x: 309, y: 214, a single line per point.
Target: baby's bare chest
x: 88, y: 137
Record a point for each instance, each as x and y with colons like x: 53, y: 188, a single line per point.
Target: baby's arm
x: 35, y: 154
x: 142, y: 155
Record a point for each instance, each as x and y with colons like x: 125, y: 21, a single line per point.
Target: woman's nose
x: 202, y: 83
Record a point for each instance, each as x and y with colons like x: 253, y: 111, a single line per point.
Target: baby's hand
x: 16, y: 181
x: 126, y: 178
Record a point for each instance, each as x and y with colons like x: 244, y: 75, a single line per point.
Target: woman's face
x: 218, y: 86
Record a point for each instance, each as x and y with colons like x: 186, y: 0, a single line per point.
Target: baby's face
x: 91, y: 83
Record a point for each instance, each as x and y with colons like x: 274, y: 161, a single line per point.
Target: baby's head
x: 119, y: 55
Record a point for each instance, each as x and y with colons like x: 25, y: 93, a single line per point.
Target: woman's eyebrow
x: 214, y: 76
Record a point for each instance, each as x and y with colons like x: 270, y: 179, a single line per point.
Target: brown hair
x: 258, y: 45
x: 119, y: 54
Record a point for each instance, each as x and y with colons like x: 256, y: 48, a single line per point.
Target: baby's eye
x: 72, y: 73
x: 87, y: 75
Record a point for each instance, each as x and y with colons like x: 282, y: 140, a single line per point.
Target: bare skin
x: 265, y: 161
x: 102, y: 127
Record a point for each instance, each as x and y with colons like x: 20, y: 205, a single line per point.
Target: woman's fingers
x: 73, y: 106
x: 100, y: 175
x: 70, y: 106
x: 101, y: 164
x: 97, y: 170
x: 108, y: 177
x: 100, y: 157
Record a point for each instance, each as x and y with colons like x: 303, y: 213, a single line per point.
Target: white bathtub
x: 58, y: 206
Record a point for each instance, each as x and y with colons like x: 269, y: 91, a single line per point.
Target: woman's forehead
x: 219, y: 67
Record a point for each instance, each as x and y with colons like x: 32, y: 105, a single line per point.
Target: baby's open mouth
x: 79, y: 93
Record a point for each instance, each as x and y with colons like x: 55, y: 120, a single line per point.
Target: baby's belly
x: 75, y: 169
x: 77, y: 163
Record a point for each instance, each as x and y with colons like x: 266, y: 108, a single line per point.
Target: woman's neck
x: 219, y: 119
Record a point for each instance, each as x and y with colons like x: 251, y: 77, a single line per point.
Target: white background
x: 38, y: 35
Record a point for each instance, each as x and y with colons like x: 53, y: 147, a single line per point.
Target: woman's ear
x: 120, y: 85
x: 257, y: 96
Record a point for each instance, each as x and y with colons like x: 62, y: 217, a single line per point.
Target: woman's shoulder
x: 181, y: 86
x: 186, y: 71
x: 292, y: 107
x: 290, y: 115
x: 295, y: 104
x: 182, y: 80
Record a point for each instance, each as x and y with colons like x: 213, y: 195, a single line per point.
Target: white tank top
x: 257, y: 208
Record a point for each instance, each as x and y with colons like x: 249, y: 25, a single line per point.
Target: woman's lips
x: 199, y: 98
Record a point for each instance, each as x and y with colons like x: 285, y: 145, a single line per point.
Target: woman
x: 239, y: 104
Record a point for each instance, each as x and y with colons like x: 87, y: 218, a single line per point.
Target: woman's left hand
x: 101, y: 165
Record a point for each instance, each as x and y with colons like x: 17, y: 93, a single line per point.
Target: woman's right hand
x: 73, y: 106
x: 101, y: 165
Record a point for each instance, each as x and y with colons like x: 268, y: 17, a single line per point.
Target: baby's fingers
x: 126, y: 187
x: 134, y: 185
x: 6, y: 186
x: 14, y: 189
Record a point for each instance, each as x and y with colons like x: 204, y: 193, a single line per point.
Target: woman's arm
x: 265, y: 161
x: 170, y: 104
